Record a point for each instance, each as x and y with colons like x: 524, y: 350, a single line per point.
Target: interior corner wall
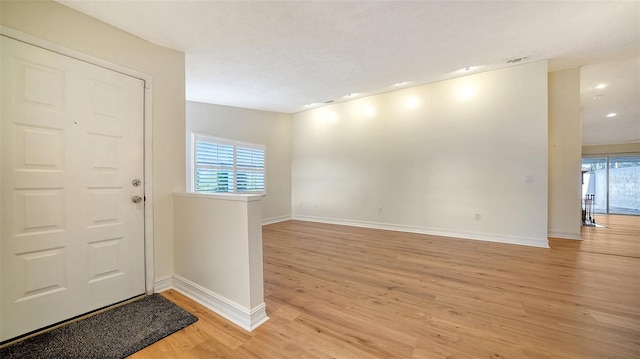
x: 465, y: 157
x: 565, y: 154
x: 271, y: 129
x: 63, y: 26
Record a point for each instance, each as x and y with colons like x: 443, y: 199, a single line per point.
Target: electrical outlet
x: 379, y: 210
x: 478, y: 216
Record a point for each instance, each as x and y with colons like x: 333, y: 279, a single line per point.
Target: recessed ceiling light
x: 601, y: 86
x: 401, y: 83
x: 612, y: 114
x: 468, y: 69
x: 310, y: 104
x: 350, y: 95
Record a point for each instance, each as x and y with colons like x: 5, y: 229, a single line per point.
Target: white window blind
x: 249, y: 169
x: 226, y: 166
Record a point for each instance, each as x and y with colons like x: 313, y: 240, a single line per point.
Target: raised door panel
x: 72, y: 138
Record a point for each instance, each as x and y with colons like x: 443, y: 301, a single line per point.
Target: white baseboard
x: 163, y: 283
x: 247, y: 319
x: 564, y: 235
x: 489, y: 237
x: 273, y: 220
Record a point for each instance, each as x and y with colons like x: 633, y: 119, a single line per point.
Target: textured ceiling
x: 279, y: 56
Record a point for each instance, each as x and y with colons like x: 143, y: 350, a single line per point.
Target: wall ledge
x: 237, y: 314
x: 488, y: 237
x: 221, y: 196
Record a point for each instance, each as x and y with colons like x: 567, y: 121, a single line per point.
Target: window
x: 227, y: 166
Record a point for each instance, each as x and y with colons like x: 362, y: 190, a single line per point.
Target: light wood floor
x: 345, y: 292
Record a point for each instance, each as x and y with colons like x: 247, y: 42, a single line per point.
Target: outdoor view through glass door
x: 615, y: 182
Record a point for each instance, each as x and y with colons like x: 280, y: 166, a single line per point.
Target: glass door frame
x: 607, y: 160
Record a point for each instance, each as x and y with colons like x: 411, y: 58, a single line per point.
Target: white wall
x: 218, y: 254
x: 565, y: 158
x: 429, y: 158
x: 63, y: 26
x: 270, y: 129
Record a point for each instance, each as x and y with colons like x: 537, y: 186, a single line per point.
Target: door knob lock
x: 136, y: 182
x: 136, y: 199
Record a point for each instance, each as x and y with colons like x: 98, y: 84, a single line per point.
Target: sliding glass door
x: 624, y: 185
x: 594, y: 182
x: 614, y: 182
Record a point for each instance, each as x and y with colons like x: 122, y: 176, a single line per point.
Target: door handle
x: 136, y: 199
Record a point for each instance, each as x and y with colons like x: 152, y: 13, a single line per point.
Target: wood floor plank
x: 345, y: 292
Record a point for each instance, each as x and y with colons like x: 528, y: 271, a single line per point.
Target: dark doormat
x: 115, y: 333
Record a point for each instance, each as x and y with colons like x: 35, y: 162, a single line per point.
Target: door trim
x: 148, y: 144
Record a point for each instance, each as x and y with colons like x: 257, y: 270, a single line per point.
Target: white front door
x: 72, y: 239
